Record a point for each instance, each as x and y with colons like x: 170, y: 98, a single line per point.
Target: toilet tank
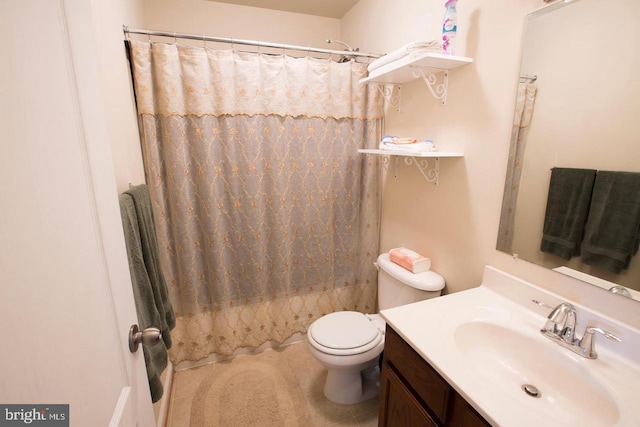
x: 398, y: 286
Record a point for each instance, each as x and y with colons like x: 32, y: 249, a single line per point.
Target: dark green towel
x: 149, y: 287
x: 612, y: 231
x: 566, y: 213
x: 144, y: 214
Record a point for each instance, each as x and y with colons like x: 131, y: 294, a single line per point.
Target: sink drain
x: 531, y: 390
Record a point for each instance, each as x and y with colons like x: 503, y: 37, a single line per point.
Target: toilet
x: 349, y: 343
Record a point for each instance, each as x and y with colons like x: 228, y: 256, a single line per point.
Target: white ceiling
x: 328, y: 8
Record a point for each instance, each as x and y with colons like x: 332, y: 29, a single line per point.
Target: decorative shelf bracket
x: 431, y: 174
x: 387, y: 92
x: 439, y: 91
x: 426, y: 65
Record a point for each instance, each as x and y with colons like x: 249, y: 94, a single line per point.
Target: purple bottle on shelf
x: 449, y: 28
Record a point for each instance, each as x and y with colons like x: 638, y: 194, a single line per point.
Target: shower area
x: 267, y: 217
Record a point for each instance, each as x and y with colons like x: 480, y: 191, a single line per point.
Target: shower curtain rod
x: 231, y: 40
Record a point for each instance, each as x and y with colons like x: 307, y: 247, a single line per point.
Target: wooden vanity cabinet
x: 413, y: 394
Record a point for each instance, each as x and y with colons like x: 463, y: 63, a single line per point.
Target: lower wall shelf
x: 420, y: 159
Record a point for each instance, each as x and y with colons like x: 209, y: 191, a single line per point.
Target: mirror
x: 579, y: 62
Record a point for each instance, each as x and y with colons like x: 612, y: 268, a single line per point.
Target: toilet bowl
x: 349, y: 343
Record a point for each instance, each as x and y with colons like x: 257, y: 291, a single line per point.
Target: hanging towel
x: 612, y: 231
x: 566, y: 213
x: 144, y: 214
x: 149, y: 288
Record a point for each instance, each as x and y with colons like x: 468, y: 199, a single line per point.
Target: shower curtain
x: 267, y: 216
x: 525, y: 101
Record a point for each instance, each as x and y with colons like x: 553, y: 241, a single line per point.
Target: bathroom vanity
x: 478, y: 358
x: 412, y: 393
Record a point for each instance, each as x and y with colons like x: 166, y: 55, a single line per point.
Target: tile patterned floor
x: 309, y: 380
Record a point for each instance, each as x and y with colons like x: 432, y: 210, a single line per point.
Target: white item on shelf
x: 408, y: 153
x: 412, y: 48
x: 395, y: 143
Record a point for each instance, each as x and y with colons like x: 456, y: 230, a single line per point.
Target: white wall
x: 120, y: 109
x: 241, y: 22
x: 381, y: 26
x: 455, y: 223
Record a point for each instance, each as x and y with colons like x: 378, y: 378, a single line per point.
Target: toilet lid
x: 343, y: 330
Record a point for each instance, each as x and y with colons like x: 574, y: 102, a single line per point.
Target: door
x: 66, y: 303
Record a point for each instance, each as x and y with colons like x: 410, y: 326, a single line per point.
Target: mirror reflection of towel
x: 566, y: 213
x: 612, y: 231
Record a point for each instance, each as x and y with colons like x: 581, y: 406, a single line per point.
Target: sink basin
x: 509, y: 359
x: 486, y: 343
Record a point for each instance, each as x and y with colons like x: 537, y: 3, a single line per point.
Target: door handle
x: 150, y: 336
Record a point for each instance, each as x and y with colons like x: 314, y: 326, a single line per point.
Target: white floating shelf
x: 425, y: 66
x: 402, y: 70
x: 420, y: 159
x: 412, y: 154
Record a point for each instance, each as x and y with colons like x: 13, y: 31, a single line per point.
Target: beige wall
x: 381, y: 26
x: 119, y: 106
x: 242, y: 22
x: 456, y: 222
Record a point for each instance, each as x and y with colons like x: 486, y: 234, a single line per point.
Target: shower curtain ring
x: 149, y: 35
x: 175, y: 39
x: 204, y: 42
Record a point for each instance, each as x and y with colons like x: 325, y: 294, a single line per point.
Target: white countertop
x: 489, y: 378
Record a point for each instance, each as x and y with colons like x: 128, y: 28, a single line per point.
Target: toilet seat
x: 344, y: 333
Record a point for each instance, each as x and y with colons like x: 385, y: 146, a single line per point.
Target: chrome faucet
x: 561, y: 323
x: 560, y: 327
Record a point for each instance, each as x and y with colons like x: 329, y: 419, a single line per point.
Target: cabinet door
x: 461, y: 414
x: 398, y: 406
x: 426, y: 384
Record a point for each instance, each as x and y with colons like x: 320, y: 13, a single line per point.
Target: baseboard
x: 161, y: 407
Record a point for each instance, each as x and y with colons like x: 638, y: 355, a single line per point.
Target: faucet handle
x: 542, y: 304
x: 586, y: 343
x: 549, y: 326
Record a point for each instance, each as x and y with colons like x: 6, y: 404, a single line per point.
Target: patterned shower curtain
x: 525, y: 101
x: 267, y: 216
